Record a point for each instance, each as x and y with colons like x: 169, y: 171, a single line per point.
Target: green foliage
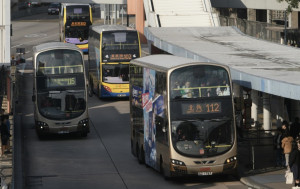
x: 291, y: 4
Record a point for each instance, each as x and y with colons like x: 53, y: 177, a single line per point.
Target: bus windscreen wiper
x: 220, y: 119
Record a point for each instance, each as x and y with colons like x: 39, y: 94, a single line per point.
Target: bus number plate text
x: 204, y: 173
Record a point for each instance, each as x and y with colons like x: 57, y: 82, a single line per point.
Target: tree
x: 291, y: 4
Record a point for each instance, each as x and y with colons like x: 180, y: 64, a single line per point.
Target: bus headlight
x: 177, y: 162
x: 230, y: 160
x: 107, y: 88
x: 41, y: 125
x: 84, y: 122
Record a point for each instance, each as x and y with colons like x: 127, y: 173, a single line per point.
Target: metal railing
x: 258, y: 149
x: 266, y: 31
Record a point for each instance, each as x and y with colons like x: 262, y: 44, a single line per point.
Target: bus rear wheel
x: 98, y: 91
x: 140, y: 155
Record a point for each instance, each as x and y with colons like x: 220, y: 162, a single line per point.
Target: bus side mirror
x: 160, y: 124
x: 165, y: 127
x: 33, y: 98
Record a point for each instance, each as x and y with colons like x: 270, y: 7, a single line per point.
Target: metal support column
x: 266, y: 112
x: 104, y: 14
x: 236, y: 90
x: 295, y: 110
x: 254, y: 96
x: 116, y: 14
x: 280, y: 111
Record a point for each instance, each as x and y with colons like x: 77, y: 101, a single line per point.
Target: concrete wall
x: 5, y: 32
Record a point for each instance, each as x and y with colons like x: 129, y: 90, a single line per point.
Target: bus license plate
x: 121, y: 95
x: 63, y: 131
x: 204, y: 173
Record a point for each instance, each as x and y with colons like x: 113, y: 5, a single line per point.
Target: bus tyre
x: 140, y: 155
x: 90, y: 89
x: 41, y: 136
x: 83, y: 134
x: 163, y: 171
x: 98, y: 91
x: 131, y: 145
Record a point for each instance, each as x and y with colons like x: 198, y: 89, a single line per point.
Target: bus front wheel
x: 83, y: 134
x: 90, y: 89
x: 163, y: 171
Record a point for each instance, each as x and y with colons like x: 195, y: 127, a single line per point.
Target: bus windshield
x: 80, y: 33
x: 120, y: 46
x: 120, y: 40
x: 199, y: 82
x: 116, y: 73
x: 61, y: 105
x: 60, y: 61
x: 60, y: 84
x: 201, y: 111
x: 202, y: 137
x: 76, y: 11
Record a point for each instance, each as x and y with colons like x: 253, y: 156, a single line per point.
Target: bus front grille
x: 204, y: 162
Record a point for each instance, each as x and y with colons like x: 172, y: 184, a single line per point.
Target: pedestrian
x: 8, y: 128
x: 279, y: 151
x: 187, y: 92
x: 294, y: 161
x: 4, y: 134
x: 1, y: 112
x: 295, y: 128
x: 286, y: 143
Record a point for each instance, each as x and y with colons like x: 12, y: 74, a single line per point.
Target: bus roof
x: 70, y: 4
x: 54, y: 45
x: 101, y: 28
x: 165, y: 62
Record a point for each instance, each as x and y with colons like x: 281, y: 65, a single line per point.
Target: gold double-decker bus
x: 182, y: 116
x: 59, y: 89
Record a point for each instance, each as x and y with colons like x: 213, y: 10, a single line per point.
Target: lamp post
x: 285, y: 41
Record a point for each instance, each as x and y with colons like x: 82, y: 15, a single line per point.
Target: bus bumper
x: 85, y: 50
x: 80, y: 128
x: 107, y: 94
x: 177, y: 170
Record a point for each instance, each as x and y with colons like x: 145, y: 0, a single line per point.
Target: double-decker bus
x: 74, y: 22
x: 182, y: 116
x: 111, y: 47
x: 59, y: 89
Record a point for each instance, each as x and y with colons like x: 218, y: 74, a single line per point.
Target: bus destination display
x: 78, y: 24
x: 61, y: 82
x: 200, y: 108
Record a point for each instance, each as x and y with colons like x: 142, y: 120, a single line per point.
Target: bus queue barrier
x: 258, y: 147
